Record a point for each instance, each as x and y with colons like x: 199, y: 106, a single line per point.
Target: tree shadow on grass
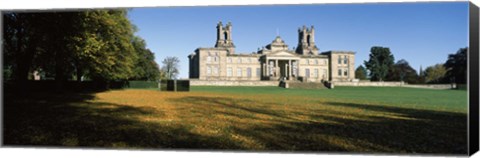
x: 391, y: 130
x: 73, y: 120
x: 409, y: 130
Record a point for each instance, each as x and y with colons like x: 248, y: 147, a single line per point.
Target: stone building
x: 275, y: 61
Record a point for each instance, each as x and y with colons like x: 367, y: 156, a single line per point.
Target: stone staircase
x: 303, y: 85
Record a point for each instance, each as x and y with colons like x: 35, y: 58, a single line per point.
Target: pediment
x: 283, y: 53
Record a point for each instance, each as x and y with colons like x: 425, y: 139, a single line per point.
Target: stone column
x: 286, y: 71
x: 290, y: 69
x: 264, y: 70
x: 276, y: 68
x: 268, y: 68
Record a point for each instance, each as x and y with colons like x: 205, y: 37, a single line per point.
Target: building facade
x: 275, y: 61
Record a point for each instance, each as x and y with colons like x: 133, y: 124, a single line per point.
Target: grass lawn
x: 345, y: 119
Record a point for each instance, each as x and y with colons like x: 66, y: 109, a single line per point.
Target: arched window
x: 225, y: 34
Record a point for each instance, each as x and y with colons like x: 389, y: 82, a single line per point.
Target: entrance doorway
x: 284, y: 71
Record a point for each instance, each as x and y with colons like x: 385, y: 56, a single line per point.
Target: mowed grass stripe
x: 431, y: 99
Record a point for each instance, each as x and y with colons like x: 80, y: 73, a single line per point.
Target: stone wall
x: 394, y: 84
x: 367, y: 83
x: 432, y: 86
x: 232, y: 83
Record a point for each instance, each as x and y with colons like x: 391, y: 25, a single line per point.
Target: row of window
x: 214, y: 58
x: 229, y: 59
x: 239, y: 73
x: 344, y: 59
x: 240, y: 60
x: 345, y: 72
x: 315, y: 73
x: 249, y: 60
x: 214, y: 69
x: 315, y: 62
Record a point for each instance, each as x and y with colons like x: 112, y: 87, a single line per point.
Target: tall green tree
x: 381, y: 60
x: 170, y: 67
x: 361, y: 73
x: 456, y: 66
x: 20, y: 42
x: 145, y: 67
x: 435, y: 73
x: 93, y: 43
x: 402, y: 71
x: 104, y: 49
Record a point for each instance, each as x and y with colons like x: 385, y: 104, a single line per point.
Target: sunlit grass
x: 246, y: 118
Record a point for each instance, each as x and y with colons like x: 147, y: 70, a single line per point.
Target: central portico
x: 280, y: 65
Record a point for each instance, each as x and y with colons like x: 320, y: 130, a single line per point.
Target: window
x: 209, y: 70
x: 239, y: 72
x: 339, y: 60
x: 216, y: 53
x: 324, y: 62
x: 294, y: 66
x: 324, y: 75
x: 239, y: 60
x: 249, y: 72
x: 215, y: 59
x: 209, y: 59
x: 345, y: 73
x: 307, y: 73
x: 345, y: 60
x: 339, y: 72
x: 316, y: 62
x: 229, y: 60
x: 215, y: 70
x: 249, y: 60
x: 258, y: 72
x: 308, y: 62
x: 315, y: 73
x: 229, y: 71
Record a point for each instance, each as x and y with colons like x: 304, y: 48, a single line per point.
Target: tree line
x: 381, y: 66
x: 75, y: 45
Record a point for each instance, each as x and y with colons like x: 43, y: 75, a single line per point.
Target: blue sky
x: 421, y: 33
